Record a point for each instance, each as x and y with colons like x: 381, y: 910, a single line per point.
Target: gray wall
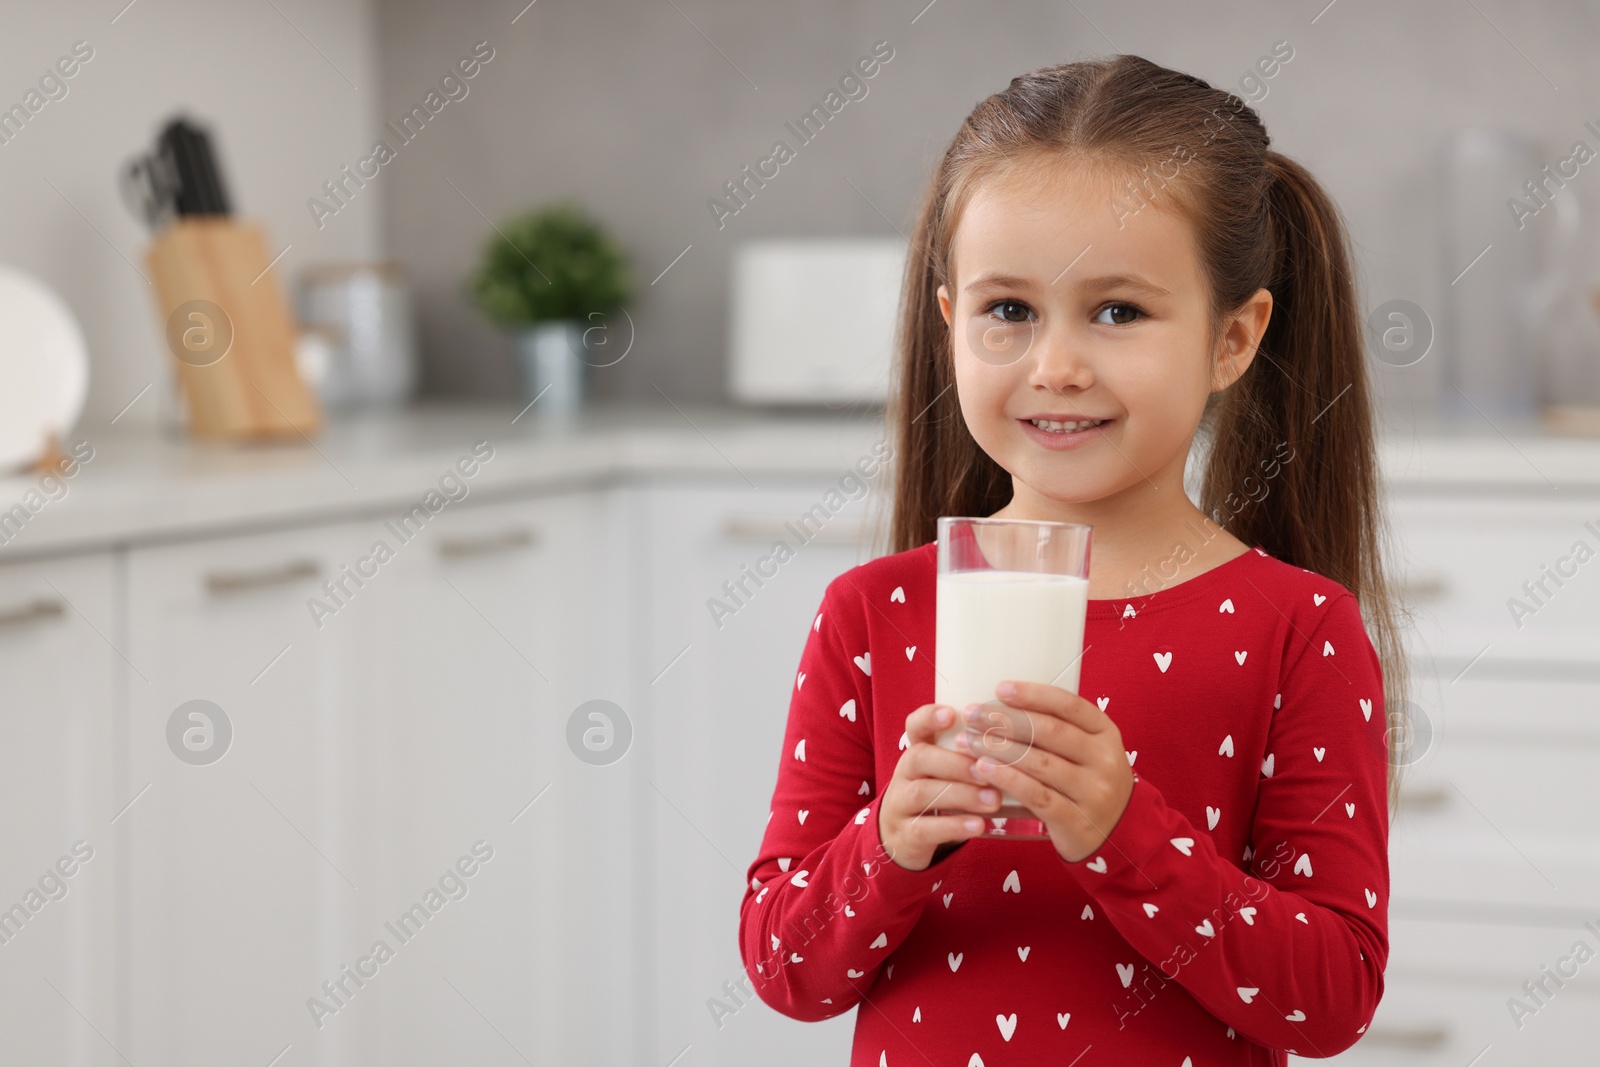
x: 285, y: 111
x: 644, y: 109
x: 632, y: 108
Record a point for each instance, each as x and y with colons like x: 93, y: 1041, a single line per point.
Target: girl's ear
x: 1240, y: 339
x: 944, y: 303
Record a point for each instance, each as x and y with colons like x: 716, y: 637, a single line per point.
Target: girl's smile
x: 1061, y: 432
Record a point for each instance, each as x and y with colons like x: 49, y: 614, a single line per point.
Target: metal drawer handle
x: 1424, y: 798
x: 458, y: 547
x: 35, y: 611
x: 221, y: 583
x: 767, y: 530
x: 1422, y: 589
x: 1417, y: 1038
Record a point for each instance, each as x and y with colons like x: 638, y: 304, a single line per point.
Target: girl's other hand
x: 1061, y: 756
x: 929, y: 777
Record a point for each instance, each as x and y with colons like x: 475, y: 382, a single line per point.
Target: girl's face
x: 1068, y: 306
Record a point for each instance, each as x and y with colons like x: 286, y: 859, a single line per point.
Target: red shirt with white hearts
x: 1238, y: 908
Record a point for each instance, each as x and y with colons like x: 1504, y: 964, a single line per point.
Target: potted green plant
x: 553, y: 275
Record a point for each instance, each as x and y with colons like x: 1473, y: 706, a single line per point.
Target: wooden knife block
x: 254, y: 390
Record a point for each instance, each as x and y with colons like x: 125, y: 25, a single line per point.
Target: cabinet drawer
x: 1465, y: 560
x: 1448, y: 990
x: 1503, y: 803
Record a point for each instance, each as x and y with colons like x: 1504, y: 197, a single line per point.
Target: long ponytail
x: 1308, y: 392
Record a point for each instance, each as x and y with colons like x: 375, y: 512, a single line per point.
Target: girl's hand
x: 927, y: 777
x: 1059, y: 755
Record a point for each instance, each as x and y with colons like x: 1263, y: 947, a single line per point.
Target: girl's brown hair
x: 1261, y: 221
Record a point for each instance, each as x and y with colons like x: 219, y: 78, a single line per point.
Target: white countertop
x: 144, y: 486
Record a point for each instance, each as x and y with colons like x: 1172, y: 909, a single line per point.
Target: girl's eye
x: 1124, y: 307
x: 1008, y: 305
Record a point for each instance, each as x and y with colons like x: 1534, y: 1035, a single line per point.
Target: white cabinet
x: 59, y: 659
x: 500, y: 621
x: 718, y: 701
x: 247, y: 873
x: 376, y: 741
x: 1495, y: 852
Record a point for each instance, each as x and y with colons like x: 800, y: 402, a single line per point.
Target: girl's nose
x: 1058, y: 363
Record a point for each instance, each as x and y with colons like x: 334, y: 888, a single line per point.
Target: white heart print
x: 800, y: 750
x: 1227, y: 605
x: 1213, y: 816
x: 1247, y: 993
x: 1183, y: 844
x: 1125, y: 972
x: 899, y: 595
x: 1022, y: 952
x: 847, y: 710
x: 1163, y: 660
x: 911, y: 650
x: 1097, y: 865
x: 1205, y: 929
x: 864, y: 661
x: 1012, y: 884
x: 955, y: 959
x: 1007, y: 1024
x: 1227, y: 747
x: 1102, y: 701
x: 1238, y: 657
x: 881, y: 941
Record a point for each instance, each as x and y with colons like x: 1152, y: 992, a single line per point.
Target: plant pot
x: 551, y: 357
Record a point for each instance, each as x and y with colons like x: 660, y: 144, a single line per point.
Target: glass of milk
x: 1012, y: 595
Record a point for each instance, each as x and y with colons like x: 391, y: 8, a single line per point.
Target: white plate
x: 44, y: 368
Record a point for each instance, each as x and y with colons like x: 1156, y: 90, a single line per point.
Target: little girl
x: 1109, y: 259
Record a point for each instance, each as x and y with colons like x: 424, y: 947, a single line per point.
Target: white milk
x: 992, y: 625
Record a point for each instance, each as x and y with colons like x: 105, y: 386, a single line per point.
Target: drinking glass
x: 1012, y: 596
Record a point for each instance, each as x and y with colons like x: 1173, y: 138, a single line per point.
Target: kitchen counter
x: 142, y: 485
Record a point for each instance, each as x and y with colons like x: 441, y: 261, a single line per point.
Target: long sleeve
x: 825, y: 906
x: 1292, y: 959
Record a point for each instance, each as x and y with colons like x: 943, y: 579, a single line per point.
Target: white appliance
x: 814, y: 319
